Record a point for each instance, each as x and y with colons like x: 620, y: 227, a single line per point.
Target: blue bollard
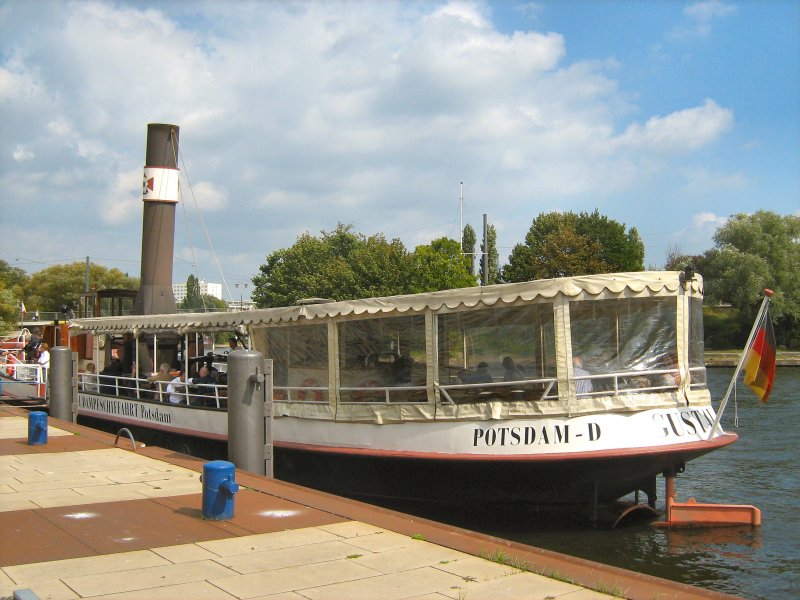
x: 219, y: 486
x: 37, y: 428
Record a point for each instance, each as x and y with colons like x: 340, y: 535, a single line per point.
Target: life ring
x: 309, y: 382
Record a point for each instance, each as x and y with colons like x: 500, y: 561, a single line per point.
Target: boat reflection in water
x: 570, y: 391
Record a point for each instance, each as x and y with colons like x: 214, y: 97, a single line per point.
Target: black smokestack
x: 160, y: 196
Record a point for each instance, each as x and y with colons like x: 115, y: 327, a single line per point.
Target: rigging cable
x: 205, y: 231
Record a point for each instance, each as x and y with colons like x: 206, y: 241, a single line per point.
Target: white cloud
x: 21, y: 153
x: 687, y: 129
x: 122, y: 201
x: 297, y: 116
x: 701, y: 16
x: 206, y: 195
x: 707, y: 220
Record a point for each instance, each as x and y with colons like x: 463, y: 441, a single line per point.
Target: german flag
x: 759, y: 362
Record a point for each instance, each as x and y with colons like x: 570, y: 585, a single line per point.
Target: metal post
x: 249, y: 403
x: 62, y: 381
x: 761, y: 312
x: 485, y: 256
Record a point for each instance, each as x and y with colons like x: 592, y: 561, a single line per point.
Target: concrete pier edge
x: 588, y: 574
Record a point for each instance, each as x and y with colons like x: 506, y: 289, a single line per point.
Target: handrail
x: 137, y: 388
x: 130, y: 435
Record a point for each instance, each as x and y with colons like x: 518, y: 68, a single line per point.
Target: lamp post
x: 241, y: 294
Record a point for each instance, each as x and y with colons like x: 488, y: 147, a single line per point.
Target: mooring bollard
x: 219, y: 486
x: 37, y: 428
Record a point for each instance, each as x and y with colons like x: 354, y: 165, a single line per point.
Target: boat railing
x: 304, y: 393
x: 414, y: 394
x: 28, y: 372
x: 634, y: 382
x: 524, y: 389
x: 205, y: 395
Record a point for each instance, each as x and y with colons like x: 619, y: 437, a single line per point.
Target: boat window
x: 624, y: 344
x: 498, y: 354
x: 383, y: 360
x: 697, y: 361
x: 299, y: 356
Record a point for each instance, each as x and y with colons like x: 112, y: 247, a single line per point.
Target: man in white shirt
x: 176, y: 389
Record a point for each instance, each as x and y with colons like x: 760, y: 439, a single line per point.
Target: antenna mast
x: 461, y: 215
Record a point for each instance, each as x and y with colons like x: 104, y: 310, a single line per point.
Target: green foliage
x: 568, y: 244
x: 9, y: 309
x: 193, y: 300
x: 439, y: 266
x: 493, y: 258
x: 343, y: 265
x: 12, y: 278
x: 12, y: 284
x: 468, y: 241
x: 53, y: 287
x: 754, y: 252
x: 722, y: 329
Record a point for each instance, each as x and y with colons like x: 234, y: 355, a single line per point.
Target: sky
x: 665, y: 116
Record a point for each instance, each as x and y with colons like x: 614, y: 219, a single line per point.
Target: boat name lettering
x: 529, y: 435
x: 123, y: 408
x: 685, y: 422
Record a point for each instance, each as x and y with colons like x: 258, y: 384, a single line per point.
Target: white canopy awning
x: 619, y: 284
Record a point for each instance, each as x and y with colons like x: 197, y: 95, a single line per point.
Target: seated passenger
x: 204, y: 384
x: 108, y: 377
x: 175, y: 389
x: 582, y: 386
x: 480, y: 375
x: 512, y: 371
x: 89, y: 379
x: 160, y: 379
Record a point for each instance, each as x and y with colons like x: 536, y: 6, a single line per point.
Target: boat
x: 567, y: 391
x: 23, y: 381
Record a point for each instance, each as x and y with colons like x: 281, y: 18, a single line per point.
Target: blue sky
x: 666, y: 116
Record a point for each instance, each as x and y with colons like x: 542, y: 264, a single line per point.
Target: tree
x: 753, y: 252
x: 343, y: 265
x: 622, y: 251
x: 12, y: 283
x: 62, y: 285
x: 440, y: 266
x: 12, y: 278
x: 567, y: 244
x: 9, y: 309
x: 493, y: 258
x: 468, y: 240
x: 193, y: 300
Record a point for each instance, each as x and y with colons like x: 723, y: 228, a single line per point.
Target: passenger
x: 176, y: 388
x: 158, y: 380
x: 582, y: 386
x: 233, y: 344
x: 481, y: 374
x: 31, y: 349
x: 402, y: 367
x: 127, y: 355
x: 90, y: 379
x: 108, y: 377
x: 512, y: 371
x: 44, y: 356
x: 204, y: 384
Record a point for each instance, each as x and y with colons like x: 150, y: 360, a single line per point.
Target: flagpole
x: 724, y: 403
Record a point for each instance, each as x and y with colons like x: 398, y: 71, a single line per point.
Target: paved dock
x: 82, y: 517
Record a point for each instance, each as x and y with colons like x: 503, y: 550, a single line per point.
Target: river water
x: 761, y: 468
